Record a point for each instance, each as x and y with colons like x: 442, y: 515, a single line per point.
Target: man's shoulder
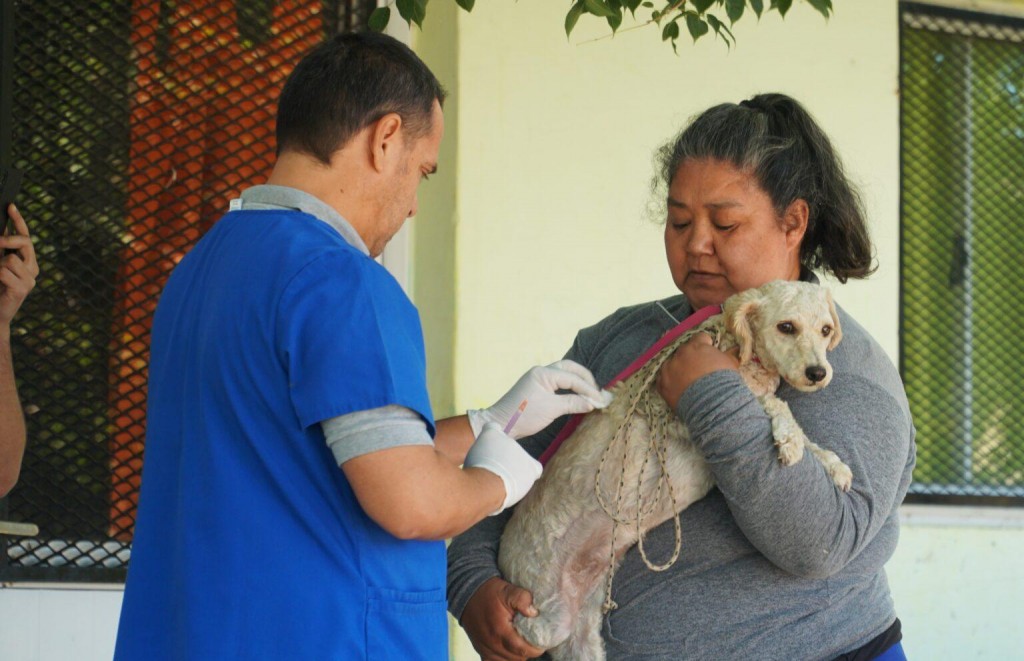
x: 340, y: 280
x: 346, y: 266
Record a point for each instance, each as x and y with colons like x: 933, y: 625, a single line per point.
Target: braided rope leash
x: 639, y: 395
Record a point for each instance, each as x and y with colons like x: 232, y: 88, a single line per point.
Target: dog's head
x: 788, y: 325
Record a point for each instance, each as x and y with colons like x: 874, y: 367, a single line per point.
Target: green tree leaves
x: 700, y: 16
x: 598, y: 7
x: 734, y: 9
x: 824, y: 7
x: 782, y: 5
x: 573, y: 16
x: 413, y: 11
x: 379, y: 19
x: 696, y: 25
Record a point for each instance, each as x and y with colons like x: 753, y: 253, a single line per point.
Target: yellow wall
x: 536, y: 225
x: 432, y: 255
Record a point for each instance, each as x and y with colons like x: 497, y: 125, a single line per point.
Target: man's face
x: 399, y: 200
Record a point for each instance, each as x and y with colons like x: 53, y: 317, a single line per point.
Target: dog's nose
x: 815, y: 373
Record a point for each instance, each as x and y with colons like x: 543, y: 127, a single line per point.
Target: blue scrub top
x: 250, y: 543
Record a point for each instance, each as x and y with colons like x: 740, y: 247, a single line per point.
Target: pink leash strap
x: 695, y: 319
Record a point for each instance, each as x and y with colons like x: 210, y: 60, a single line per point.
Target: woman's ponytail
x: 792, y: 158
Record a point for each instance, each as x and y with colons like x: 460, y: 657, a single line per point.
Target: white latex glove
x: 543, y: 405
x: 500, y: 454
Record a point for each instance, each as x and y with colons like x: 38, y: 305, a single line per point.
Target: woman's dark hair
x: 777, y: 140
x: 347, y: 83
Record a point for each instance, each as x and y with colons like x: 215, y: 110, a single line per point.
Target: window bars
x: 135, y: 123
x: 962, y: 314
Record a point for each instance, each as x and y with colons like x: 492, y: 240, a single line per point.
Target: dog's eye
x: 826, y: 331
x: 786, y: 328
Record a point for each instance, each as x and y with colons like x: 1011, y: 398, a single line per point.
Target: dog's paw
x: 841, y: 475
x: 790, y: 451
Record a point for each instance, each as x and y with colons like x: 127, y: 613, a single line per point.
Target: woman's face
x: 722, y: 234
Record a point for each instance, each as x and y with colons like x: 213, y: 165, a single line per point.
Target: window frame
x: 990, y: 19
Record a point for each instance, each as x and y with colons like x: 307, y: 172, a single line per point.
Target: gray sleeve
x: 473, y: 555
x: 363, y: 432
x: 794, y: 515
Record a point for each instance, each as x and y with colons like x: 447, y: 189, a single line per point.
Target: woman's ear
x: 794, y: 221
x: 837, y: 329
x: 740, y: 311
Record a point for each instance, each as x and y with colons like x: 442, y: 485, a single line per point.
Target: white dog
x: 631, y: 466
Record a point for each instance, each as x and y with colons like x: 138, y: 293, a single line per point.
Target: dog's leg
x: 582, y: 574
x: 525, y: 540
x: 585, y: 643
x: 553, y: 589
x: 550, y: 627
x: 840, y: 473
x: 789, y: 438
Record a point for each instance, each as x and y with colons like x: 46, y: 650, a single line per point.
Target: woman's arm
x: 795, y: 515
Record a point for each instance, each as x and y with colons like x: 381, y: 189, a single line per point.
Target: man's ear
x: 837, y: 330
x: 740, y: 310
x: 385, y: 140
x: 794, y: 220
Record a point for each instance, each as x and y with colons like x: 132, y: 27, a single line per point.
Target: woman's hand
x: 692, y: 360
x: 487, y: 620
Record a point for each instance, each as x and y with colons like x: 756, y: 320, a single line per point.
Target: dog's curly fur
x: 561, y: 543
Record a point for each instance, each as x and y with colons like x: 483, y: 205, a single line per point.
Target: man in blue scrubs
x: 281, y: 350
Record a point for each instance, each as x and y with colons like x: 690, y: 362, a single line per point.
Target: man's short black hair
x: 347, y: 83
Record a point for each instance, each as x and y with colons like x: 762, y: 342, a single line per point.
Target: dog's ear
x: 837, y: 329
x: 739, y: 311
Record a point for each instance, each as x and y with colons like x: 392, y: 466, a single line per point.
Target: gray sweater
x: 776, y: 562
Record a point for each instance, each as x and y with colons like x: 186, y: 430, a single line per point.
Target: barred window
x: 134, y: 123
x: 962, y: 240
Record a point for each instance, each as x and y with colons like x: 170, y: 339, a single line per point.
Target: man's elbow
x: 401, y: 526
x: 416, y: 532
x: 412, y: 524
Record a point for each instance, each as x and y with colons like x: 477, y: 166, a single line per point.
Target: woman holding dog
x: 776, y: 562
